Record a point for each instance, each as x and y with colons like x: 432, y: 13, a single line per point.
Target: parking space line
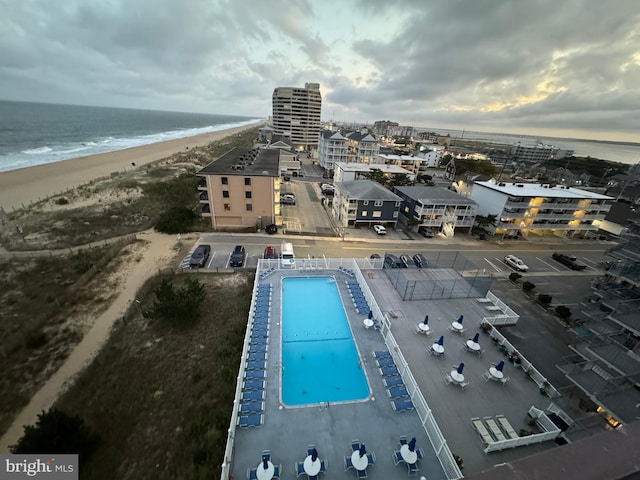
x: 492, y: 265
x: 211, y: 259
x: 586, y: 260
x: 549, y: 265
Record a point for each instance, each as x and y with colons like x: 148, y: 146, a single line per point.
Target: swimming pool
x: 319, y: 357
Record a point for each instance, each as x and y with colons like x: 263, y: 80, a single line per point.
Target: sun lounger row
x: 396, y: 389
x: 252, y: 420
x: 402, y: 405
x: 266, y: 273
x: 347, y: 271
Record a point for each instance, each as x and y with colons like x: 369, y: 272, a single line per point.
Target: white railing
x: 506, y: 316
x: 550, y: 432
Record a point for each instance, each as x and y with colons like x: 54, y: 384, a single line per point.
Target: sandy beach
x: 26, y: 185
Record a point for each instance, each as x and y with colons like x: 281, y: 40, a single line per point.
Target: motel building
x: 540, y: 209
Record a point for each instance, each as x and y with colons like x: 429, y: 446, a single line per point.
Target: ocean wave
x: 37, y: 151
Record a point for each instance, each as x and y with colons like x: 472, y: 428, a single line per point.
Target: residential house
x: 241, y: 189
x: 362, y: 147
x: 333, y: 147
x: 416, y: 164
x: 522, y: 208
x: 436, y: 208
x: 365, y: 202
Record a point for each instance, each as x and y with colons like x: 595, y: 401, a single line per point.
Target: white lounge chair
x: 482, y: 430
x: 495, y: 429
x: 506, y: 426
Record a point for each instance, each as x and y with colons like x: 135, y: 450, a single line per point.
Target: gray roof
x: 367, y: 190
x: 281, y: 138
x: 266, y: 163
x: 332, y: 134
x: 435, y: 195
x: 359, y: 137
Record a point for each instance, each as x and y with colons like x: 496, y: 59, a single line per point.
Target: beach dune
x: 26, y: 185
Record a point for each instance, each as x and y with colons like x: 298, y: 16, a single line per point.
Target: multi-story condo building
x: 345, y: 172
x: 436, y: 208
x: 362, y: 147
x: 384, y: 127
x: 333, y: 147
x: 241, y: 189
x: 521, y: 208
x: 365, y: 202
x: 606, y: 364
x: 417, y: 164
x: 533, y: 153
x: 296, y: 114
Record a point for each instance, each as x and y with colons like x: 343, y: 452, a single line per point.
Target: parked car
x: 426, y: 232
x: 271, y: 229
x: 375, y: 255
x: 420, y: 260
x: 391, y: 261
x: 407, y: 261
x: 200, y: 256
x: 515, y: 262
x: 328, y: 192
x: 237, y: 256
x: 568, y: 260
x: 269, y: 253
x: 380, y: 230
x: 287, y: 199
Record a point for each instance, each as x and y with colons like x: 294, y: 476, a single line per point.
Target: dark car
x: 237, y: 257
x: 391, y: 261
x: 270, y: 253
x: 200, y: 256
x: 407, y: 261
x: 271, y: 229
x: 420, y: 260
x: 375, y: 255
x: 568, y: 261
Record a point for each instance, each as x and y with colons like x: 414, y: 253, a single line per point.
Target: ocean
x: 37, y: 133
x: 624, y: 152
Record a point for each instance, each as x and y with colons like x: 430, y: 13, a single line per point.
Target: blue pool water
x: 319, y: 357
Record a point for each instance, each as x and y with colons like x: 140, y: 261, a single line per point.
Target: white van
x: 287, y: 257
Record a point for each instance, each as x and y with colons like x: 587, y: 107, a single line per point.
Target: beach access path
x: 21, y: 187
x: 158, y: 253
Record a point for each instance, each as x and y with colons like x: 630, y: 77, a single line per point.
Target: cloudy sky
x: 543, y: 67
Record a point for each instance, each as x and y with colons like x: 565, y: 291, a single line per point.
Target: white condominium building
x: 332, y: 148
x: 542, y: 209
x: 363, y: 147
x: 296, y: 114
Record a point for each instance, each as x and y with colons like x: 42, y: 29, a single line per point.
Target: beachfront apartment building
x: 523, y: 208
x: 332, y: 148
x: 241, y: 189
x: 296, y: 114
x: 436, y: 208
x: 365, y: 202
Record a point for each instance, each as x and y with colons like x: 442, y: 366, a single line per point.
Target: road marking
x: 549, y: 265
x: 211, y: 259
x: 494, y: 267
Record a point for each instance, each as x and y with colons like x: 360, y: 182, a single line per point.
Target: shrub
x: 62, y: 201
x: 563, y: 312
x: 528, y: 286
x: 544, y: 299
x: 176, y: 220
x: 57, y: 432
x: 513, y: 276
x: 173, y: 304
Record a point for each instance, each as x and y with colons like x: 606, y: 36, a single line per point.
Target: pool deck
x: 287, y: 431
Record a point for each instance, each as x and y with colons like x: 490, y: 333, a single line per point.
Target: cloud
x: 544, y: 65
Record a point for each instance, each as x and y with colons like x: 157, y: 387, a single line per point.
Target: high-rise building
x: 296, y: 114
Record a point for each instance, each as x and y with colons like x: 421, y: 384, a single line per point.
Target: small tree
x: 514, y: 276
x: 528, y: 286
x: 57, y: 432
x: 563, y: 312
x: 544, y: 299
x: 175, y: 220
x: 173, y: 304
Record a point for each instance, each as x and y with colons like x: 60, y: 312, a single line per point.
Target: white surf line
x: 549, y: 265
x: 211, y: 260
x: 492, y: 265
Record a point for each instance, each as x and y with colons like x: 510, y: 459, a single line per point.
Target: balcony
x: 204, y: 196
x: 202, y: 183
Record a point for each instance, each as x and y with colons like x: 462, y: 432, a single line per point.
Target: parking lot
x: 307, y: 216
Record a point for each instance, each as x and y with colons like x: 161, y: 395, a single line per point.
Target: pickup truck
x: 515, y: 262
x: 568, y: 261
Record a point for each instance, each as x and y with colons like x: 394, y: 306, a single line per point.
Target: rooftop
x: 409, y: 158
x: 254, y: 162
x: 365, y: 167
x: 541, y: 190
x: 435, y: 195
x: 366, y: 190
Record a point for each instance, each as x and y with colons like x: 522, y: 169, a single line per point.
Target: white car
x: 516, y: 263
x: 380, y: 230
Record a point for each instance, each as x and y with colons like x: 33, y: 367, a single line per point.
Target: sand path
x: 157, y: 254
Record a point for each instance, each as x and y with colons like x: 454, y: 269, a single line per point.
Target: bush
x: 563, y: 312
x: 513, y: 276
x: 544, y: 299
x: 62, y: 201
x: 528, y: 286
x: 173, y: 304
x: 176, y: 220
x: 57, y: 432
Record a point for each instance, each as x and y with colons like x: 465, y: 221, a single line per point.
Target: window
x: 397, y: 204
x: 225, y: 193
x: 365, y: 202
x: 247, y: 181
x: 364, y: 213
x: 227, y: 206
x: 406, y: 209
x: 224, y: 180
x: 378, y: 203
x: 377, y: 214
x: 395, y: 214
x: 247, y: 194
x: 249, y: 207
